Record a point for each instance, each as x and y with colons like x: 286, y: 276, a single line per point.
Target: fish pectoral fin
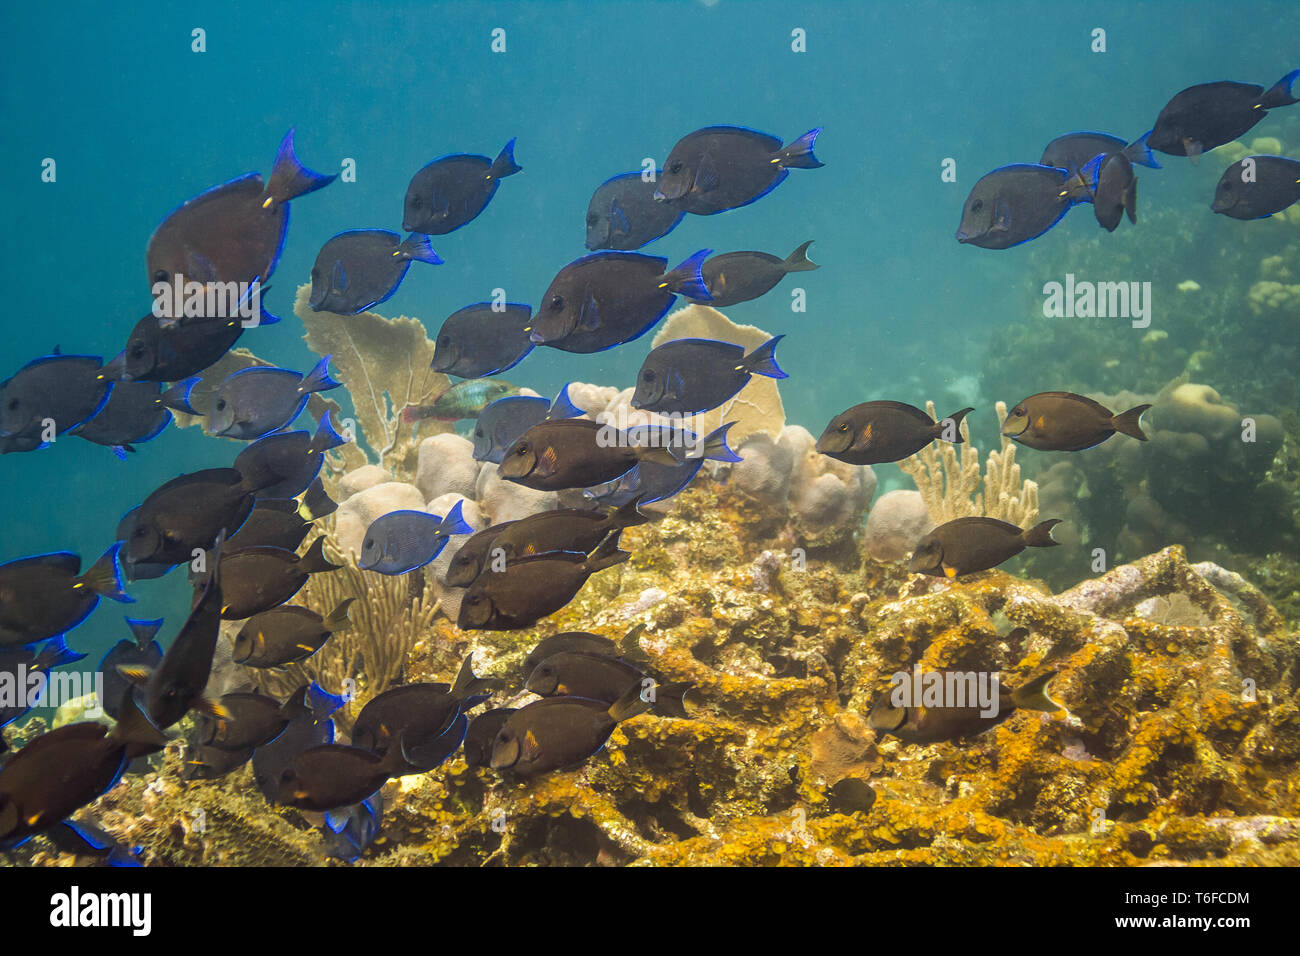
x: 136, y: 674
x: 214, y: 708
x: 547, y: 461
x: 1193, y: 150
x: 618, y: 219
x: 706, y: 175
x: 1001, y: 216
x: 588, y: 315
x: 531, y: 747
x: 949, y: 572
x: 339, y: 277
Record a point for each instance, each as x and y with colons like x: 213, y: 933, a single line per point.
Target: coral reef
x: 1178, y: 741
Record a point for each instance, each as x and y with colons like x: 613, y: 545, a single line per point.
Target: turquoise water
x: 138, y: 123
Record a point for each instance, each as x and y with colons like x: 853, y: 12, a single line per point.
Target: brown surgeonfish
x: 604, y: 678
x: 531, y: 588
x: 287, y: 634
x: 468, y: 562
x: 566, y: 529
x: 579, y: 453
x: 1064, y: 421
x: 876, y: 432
x: 967, y: 545
x: 258, y: 579
x: 559, y: 732
x: 926, y: 725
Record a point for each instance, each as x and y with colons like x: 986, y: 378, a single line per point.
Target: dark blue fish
x: 84, y: 838
x: 255, y: 401
x: 1113, y: 187
x: 158, y: 353
x: 1014, y: 204
x: 608, y: 298
x: 358, y: 269
x: 134, y: 413
x: 452, y: 190
x: 19, y: 664
x: 233, y: 232
x: 45, y: 595
x: 688, y: 376
x: 352, y: 830
x: 66, y: 390
x: 1073, y: 150
x: 500, y: 424
x: 402, y: 541
x: 322, y: 703
x: 623, y: 214
x: 482, y: 339
x: 283, y: 464
x: 736, y: 277
x: 1275, y: 184
x: 1207, y: 115
x: 305, y: 730
x: 649, y: 481
x: 725, y: 167
x: 142, y: 651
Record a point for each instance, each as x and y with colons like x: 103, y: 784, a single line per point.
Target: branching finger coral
x: 388, y: 618
x: 947, y: 483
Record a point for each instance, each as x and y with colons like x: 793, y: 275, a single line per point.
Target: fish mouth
x: 536, y: 338
x: 1219, y: 206
x: 963, y: 236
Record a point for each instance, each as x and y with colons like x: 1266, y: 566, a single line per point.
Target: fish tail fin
x: 798, y: 260
x: 177, y: 398
x: 688, y: 280
x: 105, y: 576
x: 143, y: 631
x: 338, y: 619
x: 314, y: 561
x: 762, y: 361
x: 1280, y: 94
x: 326, y: 437
x: 467, y: 684
x: 563, y: 406
x: 265, y: 316
x: 1139, y: 153
x: 716, y: 447
x: 627, y: 515
x: 670, y: 699
x: 316, y: 503
x: 631, y: 704
x: 505, y: 165
x: 453, y: 522
x: 290, y: 178
x: 417, y: 246
x: 1130, y: 422
x: 1040, y: 535
x: 55, y: 653
x: 318, y: 379
x: 1131, y: 201
x: 1033, y: 695
x: 134, y: 729
x: 956, y: 419
x: 799, y: 154
x: 606, y: 555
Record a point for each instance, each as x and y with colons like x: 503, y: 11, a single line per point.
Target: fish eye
x: 161, y: 276
x: 369, y: 543
x: 1018, y: 410
x: 648, y: 375
x: 417, y: 202
x: 521, y: 448
x: 844, y: 426
x: 557, y: 302
x: 977, y: 205
x: 675, y: 167
x: 13, y: 405
x: 137, y: 350
x: 221, y: 404
x: 478, y: 433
